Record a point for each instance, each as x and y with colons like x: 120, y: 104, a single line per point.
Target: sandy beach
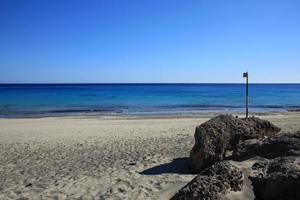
x: 103, y: 157
x: 149, y: 100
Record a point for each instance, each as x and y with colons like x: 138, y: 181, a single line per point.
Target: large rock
x: 212, y: 183
x: 277, y: 179
x: 284, y: 145
x: 214, y: 137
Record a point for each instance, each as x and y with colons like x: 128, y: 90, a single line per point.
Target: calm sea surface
x: 98, y: 99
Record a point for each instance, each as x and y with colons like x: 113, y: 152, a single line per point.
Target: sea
x: 39, y: 100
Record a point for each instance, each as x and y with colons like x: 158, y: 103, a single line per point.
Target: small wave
x: 88, y: 95
x: 79, y: 110
x: 198, y: 106
x: 62, y: 112
x: 162, y: 109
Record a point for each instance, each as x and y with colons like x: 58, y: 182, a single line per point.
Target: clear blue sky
x: 59, y: 41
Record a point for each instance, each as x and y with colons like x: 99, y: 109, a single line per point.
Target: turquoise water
x: 99, y: 99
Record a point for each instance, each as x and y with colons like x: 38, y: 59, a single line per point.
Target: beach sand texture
x: 103, y: 157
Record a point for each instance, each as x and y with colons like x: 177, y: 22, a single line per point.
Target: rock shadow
x: 177, y: 166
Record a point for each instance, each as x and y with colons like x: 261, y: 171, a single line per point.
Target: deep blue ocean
x: 21, y: 100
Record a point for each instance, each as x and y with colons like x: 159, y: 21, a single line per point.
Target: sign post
x: 245, y: 75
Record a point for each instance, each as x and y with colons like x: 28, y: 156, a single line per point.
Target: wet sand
x: 103, y: 157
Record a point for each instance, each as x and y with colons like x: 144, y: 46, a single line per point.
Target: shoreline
x: 154, y: 115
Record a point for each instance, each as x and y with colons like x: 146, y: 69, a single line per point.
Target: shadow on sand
x: 177, y: 166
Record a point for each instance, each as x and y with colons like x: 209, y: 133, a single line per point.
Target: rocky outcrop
x: 284, y: 145
x: 214, y: 137
x: 212, y: 183
x: 277, y: 179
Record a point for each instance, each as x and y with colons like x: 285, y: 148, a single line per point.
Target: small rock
x: 28, y: 185
x: 212, y: 183
x: 132, y: 163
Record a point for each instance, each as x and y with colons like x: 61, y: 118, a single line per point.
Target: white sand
x: 101, y: 158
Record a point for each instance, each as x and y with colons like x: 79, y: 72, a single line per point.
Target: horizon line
x: 140, y: 83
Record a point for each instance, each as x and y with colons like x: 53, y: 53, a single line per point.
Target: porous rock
x: 212, y: 183
x: 214, y: 137
x: 277, y: 179
x: 284, y: 145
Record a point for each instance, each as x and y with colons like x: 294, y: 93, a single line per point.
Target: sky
x: 149, y: 41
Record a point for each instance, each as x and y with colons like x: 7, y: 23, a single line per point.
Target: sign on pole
x: 245, y: 75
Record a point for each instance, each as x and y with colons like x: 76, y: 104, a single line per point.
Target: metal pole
x: 247, y: 95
